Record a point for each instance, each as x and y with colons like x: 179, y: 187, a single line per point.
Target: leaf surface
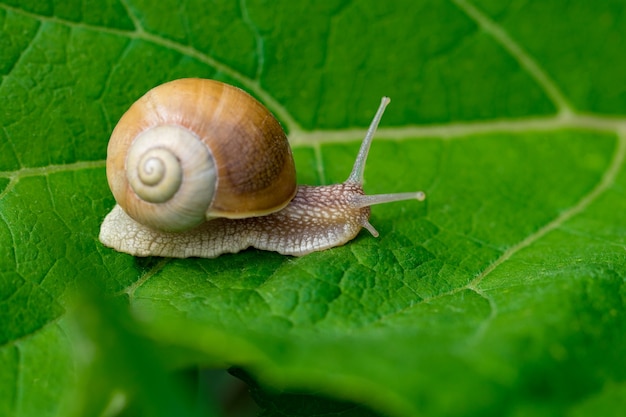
x: 502, y: 294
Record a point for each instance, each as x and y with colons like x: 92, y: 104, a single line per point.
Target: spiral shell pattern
x: 172, y: 171
x: 157, y: 175
x: 192, y: 149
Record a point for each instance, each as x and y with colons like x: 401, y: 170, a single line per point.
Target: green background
x: 502, y: 294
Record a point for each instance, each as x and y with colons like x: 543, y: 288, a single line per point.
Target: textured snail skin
x: 317, y: 218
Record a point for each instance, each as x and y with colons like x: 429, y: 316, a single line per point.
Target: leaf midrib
x: 315, y: 138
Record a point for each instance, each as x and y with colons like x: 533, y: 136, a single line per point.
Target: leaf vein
x: 525, y: 60
x: 51, y: 169
x: 11, y: 233
x: 605, y: 182
x: 8, y: 188
x: 141, y: 34
x: 484, y: 325
x: 130, y: 290
x: 462, y: 129
x: 260, y: 43
x: 23, y: 52
x: 16, y: 155
x: 107, y: 82
x: 55, y: 210
x: 133, y: 16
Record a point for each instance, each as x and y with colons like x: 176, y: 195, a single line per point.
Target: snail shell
x: 194, y: 149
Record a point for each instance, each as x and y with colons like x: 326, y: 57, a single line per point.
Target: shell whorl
x: 156, y: 176
x: 194, y: 149
x: 173, y: 174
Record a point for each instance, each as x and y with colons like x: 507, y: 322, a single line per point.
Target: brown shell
x: 256, y: 173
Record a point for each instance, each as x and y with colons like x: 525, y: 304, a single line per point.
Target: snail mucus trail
x: 315, y: 219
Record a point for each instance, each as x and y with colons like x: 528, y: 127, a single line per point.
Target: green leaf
x: 112, y: 357
x: 502, y: 294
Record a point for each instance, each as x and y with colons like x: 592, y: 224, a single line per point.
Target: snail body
x: 200, y: 168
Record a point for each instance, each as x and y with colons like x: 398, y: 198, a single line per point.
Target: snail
x: 199, y: 168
